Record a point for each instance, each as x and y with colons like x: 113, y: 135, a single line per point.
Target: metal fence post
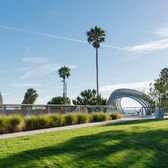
x: 49, y: 109
x: 4, y: 109
x: 29, y: 109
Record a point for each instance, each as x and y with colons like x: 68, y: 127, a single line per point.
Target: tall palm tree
x: 96, y: 36
x: 30, y: 96
x: 64, y: 72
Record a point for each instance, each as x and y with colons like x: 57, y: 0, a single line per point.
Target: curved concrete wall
x: 117, y: 95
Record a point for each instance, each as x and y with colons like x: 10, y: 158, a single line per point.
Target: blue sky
x: 37, y: 37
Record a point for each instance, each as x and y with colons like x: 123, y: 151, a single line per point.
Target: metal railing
x: 29, y: 109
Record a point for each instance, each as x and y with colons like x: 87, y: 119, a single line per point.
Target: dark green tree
x: 30, y: 96
x: 64, y: 72
x: 59, y: 100
x: 147, y: 97
x: 159, y: 89
x: 95, y: 36
x: 89, y: 97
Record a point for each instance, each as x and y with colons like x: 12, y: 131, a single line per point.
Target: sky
x: 38, y: 37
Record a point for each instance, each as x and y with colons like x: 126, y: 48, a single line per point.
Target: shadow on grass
x: 142, y: 121
x: 108, y: 149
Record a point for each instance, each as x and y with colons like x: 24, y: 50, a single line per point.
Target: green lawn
x: 135, y: 144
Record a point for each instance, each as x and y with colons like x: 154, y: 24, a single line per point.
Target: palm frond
x: 96, y: 36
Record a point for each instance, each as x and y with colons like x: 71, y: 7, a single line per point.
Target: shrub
x: 83, y: 118
x: 43, y: 121
x: 31, y: 122
x: 70, y: 119
x: 56, y: 120
x: 38, y: 122
x: 4, y: 124
x: 115, y: 115
x: 16, y: 123
x: 61, y: 120
x: 99, y: 116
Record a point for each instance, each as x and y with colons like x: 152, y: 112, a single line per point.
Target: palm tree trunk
x: 65, y: 93
x: 64, y: 90
x: 97, y: 72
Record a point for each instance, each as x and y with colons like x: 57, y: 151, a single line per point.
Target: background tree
x: 59, y: 100
x: 149, y: 99
x: 89, y: 97
x: 159, y: 89
x: 96, y: 36
x: 64, y: 72
x: 30, y: 96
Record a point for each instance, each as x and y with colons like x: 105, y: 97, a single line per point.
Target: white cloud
x: 145, y: 47
x: 41, y: 34
x: 153, y: 45
x: 162, y: 31
x: 136, y: 85
x: 150, y: 46
x: 26, y: 84
x: 72, y: 66
x: 43, y: 70
x: 35, y: 60
x: 40, y: 71
x: 57, y: 37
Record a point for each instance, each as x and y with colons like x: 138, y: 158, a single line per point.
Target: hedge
x: 16, y: 123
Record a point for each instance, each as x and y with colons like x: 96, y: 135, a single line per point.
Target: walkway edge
x: 33, y: 132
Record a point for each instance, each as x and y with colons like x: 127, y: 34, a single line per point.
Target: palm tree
x: 64, y: 72
x: 96, y: 36
x: 30, y: 96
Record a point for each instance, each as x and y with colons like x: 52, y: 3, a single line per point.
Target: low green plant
x: 43, y: 121
x: 115, y: 115
x: 70, y: 119
x: 16, y: 123
x: 61, y: 117
x: 83, y: 118
x: 56, y: 120
x: 31, y: 122
x: 4, y: 124
x: 38, y: 122
x: 99, y: 116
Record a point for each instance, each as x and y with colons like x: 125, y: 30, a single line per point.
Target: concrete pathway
x: 18, y: 134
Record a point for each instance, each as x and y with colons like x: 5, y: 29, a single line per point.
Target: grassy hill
x: 134, y: 144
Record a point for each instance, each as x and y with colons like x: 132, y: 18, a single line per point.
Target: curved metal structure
x: 1, y: 100
x: 117, y: 95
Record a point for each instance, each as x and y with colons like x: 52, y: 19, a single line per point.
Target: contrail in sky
x: 57, y: 37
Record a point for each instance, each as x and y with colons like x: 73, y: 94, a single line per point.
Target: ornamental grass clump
x: 83, y: 118
x: 38, y: 122
x: 70, y: 119
x: 56, y: 120
x: 31, y: 122
x: 115, y: 115
x: 16, y: 123
x: 43, y: 121
x: 4, y: 124
x: 99, y: 116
